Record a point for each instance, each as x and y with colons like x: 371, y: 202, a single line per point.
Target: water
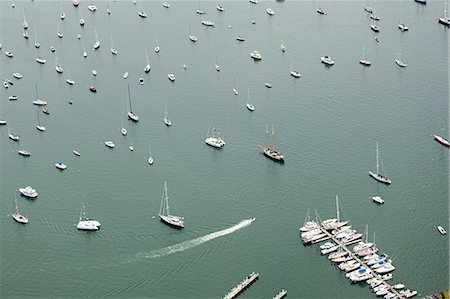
x: 326, y: 123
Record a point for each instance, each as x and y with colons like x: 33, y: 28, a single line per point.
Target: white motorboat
x: 60, y: 165
x: 214, y: 139
x: 441, y: 230
x: 442, y: 140
x: 375, y: 28
x: 13, y: 98
x: 70, y: 81
x: 327, y: 245
x: 377, y: 176
x: 17, y: 75
x: 403, y: 27
x: 76, y: 153
x: 377, y: 199
x: 125, y: 75
x: 171, y: 77
x: 386, y: 268
x: 5, y: 84
x: 295, y: 74
x: 255, y: 55
x: 109, y: 144
x: 92, y: 7
x: 166, y: 4
x: 82, y: 22
x: 85, y: 223
x: 13, y: 136
x: 164, y: 214
x: 408, y: 293
x: 327, y: 60
x: 16, y: 214
x: 29, y: 192
x: 208, y: 23
x: 9, y: 54
x: 399, y: 286
x: 142, y: 14
x: 270, y: 11
x: 329, y: 250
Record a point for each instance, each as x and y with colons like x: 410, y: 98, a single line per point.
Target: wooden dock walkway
x: 281, y: 294
x: 375, y: 274
x: 234, y: 292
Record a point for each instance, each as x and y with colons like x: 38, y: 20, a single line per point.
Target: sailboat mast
x: 377, y: 159
x: 267, y: 135
x: 37, y: 96
x: 273, y: 139
x: 166, y: 197
x: 337, y: 208
x: 129, y: 97
x: 37, y: 112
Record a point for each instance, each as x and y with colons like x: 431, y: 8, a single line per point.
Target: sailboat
x: 38, y: 101
x: 200, y: 11
x: 123, y: 130
x: 334, y: 223
x: 113, y: 50
x: 234, y: 88
x: 150, y: 158
x: 445, y: 20
x: 141, y: 12
x: 398, y: 60
x: 249, y: 104
x: 167, y: 121
x: 164, y: 214
x: 147, y: 67
x: 97, y: 41
x: 402, y: 26
x: 377, y: 176
x: 24, y: 23
x: 213, y: 138
x: 16, y: 214
x: 58, y: 68
x: 82, y: 22
x: 131, y: 115
x: 36, y: 43
x: 12, y: 136
x: 364, y: 61
x: 108, y: 11
x: 62, y: 15
x: 216, y: 66
x: 39, y: 126
x: 192, y: 37
x: 442, y: 140
x: 269, y: 151
x: 22, y: 152
x: 85, y: 223
x: 39, y: 59
x: 58, y: 31
x: 157, y: 48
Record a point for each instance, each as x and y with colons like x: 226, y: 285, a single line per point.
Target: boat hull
x: 170, y: 222
x: 380, y: 178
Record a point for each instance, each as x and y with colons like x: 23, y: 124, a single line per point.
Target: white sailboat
x: 58, y: 68
x: 214, y: 139
x: 39, y: 126
x: 113, y: 50
x: 249, y: 104
x: 167, y: 121
x: 445, y: 20
x: 24, y: 23
x: 157, y: 48
x: 216, y: 66
x: 334, y: 223
x: 364, y: 61
x: 97, y: 41
x: 270, y: 151
x: 192, y: 37
x: 36, y: 43
x: 131, y: 114
x: 38, y: 101
x: 234, y: 88
x: 164, y: 213
x: 16, y: 214
x: 22, y: 151
x: 123, y: 130
x: 398, y: 61
x: 85, y: 223
x: 377, y: 176
x: 58, y: 31
x: 147, y: 67
x: 150, y: 158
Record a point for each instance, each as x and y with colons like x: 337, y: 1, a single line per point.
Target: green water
x: 327, y: 124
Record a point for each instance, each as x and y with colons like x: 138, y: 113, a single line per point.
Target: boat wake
x: 194, y: 242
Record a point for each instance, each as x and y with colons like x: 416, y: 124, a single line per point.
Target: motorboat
x: 2, y: 122
x: 60, y: 165
x: 220, y: 7
x: 70, y: 81
x: 125, y: 75
x: 13, y: 98
x: 17, y: 75
x: 208, y: 23
x: 82, y: 22
x: 254, y: 1
x: 40, y: 60
x: 166, y: 4
x: 92, y: 89
x: 28, y: 191
x: 403, y: 27
x: 110, y: 144
x: 327, y: 60
x: 76, y: 2
x: 40, y: 102
x: 193, y: 38
x: 377, y: 199
x: 441, y: 230
x: 142, y: 14
x: 240, y: 38
x: 59, y: 69
x: 441, y: 140
x: 255, y: 55
x: 386, y: 268
x: 295, y: 74
x: 375, y: 28
x: 92, y: 7
x: 9, y: 54
x: 171, y: 77
x: 270, y: 11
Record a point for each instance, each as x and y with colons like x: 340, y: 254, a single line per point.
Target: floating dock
x: 242, y: 286
x: 281, y: 294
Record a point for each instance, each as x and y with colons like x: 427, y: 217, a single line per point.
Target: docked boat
x: 171, y: 77
x: 386, y: 268
x: 334, y: 223
x: 16, y: 214
x: 28, y: 191
x: 441, y: 140
x: 150, y: 158
x: 377, y: 176
x: 377, y: 199
x: 60, y: 165
x: 164, y: 213
x: 441, y: 230
x: 131, y: 115
x: 255, y: 55
x: 109, y: 144
x: 214, y: 139
x: 270, y: 150
x: 85, y: 223
x: 408, y: 293
x: 327, y: 60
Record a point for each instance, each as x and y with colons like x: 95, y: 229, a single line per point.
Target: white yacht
x: 110, y: 144
x: 164, y: 214
x: 441, y: 230
x: 29, y: 192
x: 255, y: 55
x: 386, y: 268
x: 60, y: 165
x: 327, y: 60
x: 213, y: 138
x: 85, y: 223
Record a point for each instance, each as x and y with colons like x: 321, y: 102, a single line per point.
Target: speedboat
x: 270, y: 11
x: 171, y: 77
x: 40, y: 60
x: 60, y: 165
x: 295, y: 74
x: 110, y: 144
x: 17, y: 75
x: 327, y: 60
x: 142, y: 14
x: 377, y: 200
x: 29, y: 192
x: 255, y: 55
x: 208, y: 23
x: 441, y: 140
x: 403, y: 27
x: 13, y: 98
x: 40, y: 102
x: 441, y: 230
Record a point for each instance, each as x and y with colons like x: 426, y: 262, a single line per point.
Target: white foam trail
x: 197, y: 241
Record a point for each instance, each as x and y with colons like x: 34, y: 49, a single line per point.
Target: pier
x: 281, y: 294
x: 354, y: 256
x: 242, y: 286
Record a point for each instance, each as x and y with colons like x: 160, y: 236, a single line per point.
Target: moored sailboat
x: 16, y: 214
x: 377, y: 176
x: 131, y: 115
x: 164, y: 214
x: 269, y: 150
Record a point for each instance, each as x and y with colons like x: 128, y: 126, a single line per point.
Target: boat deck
x: 234, y: 292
